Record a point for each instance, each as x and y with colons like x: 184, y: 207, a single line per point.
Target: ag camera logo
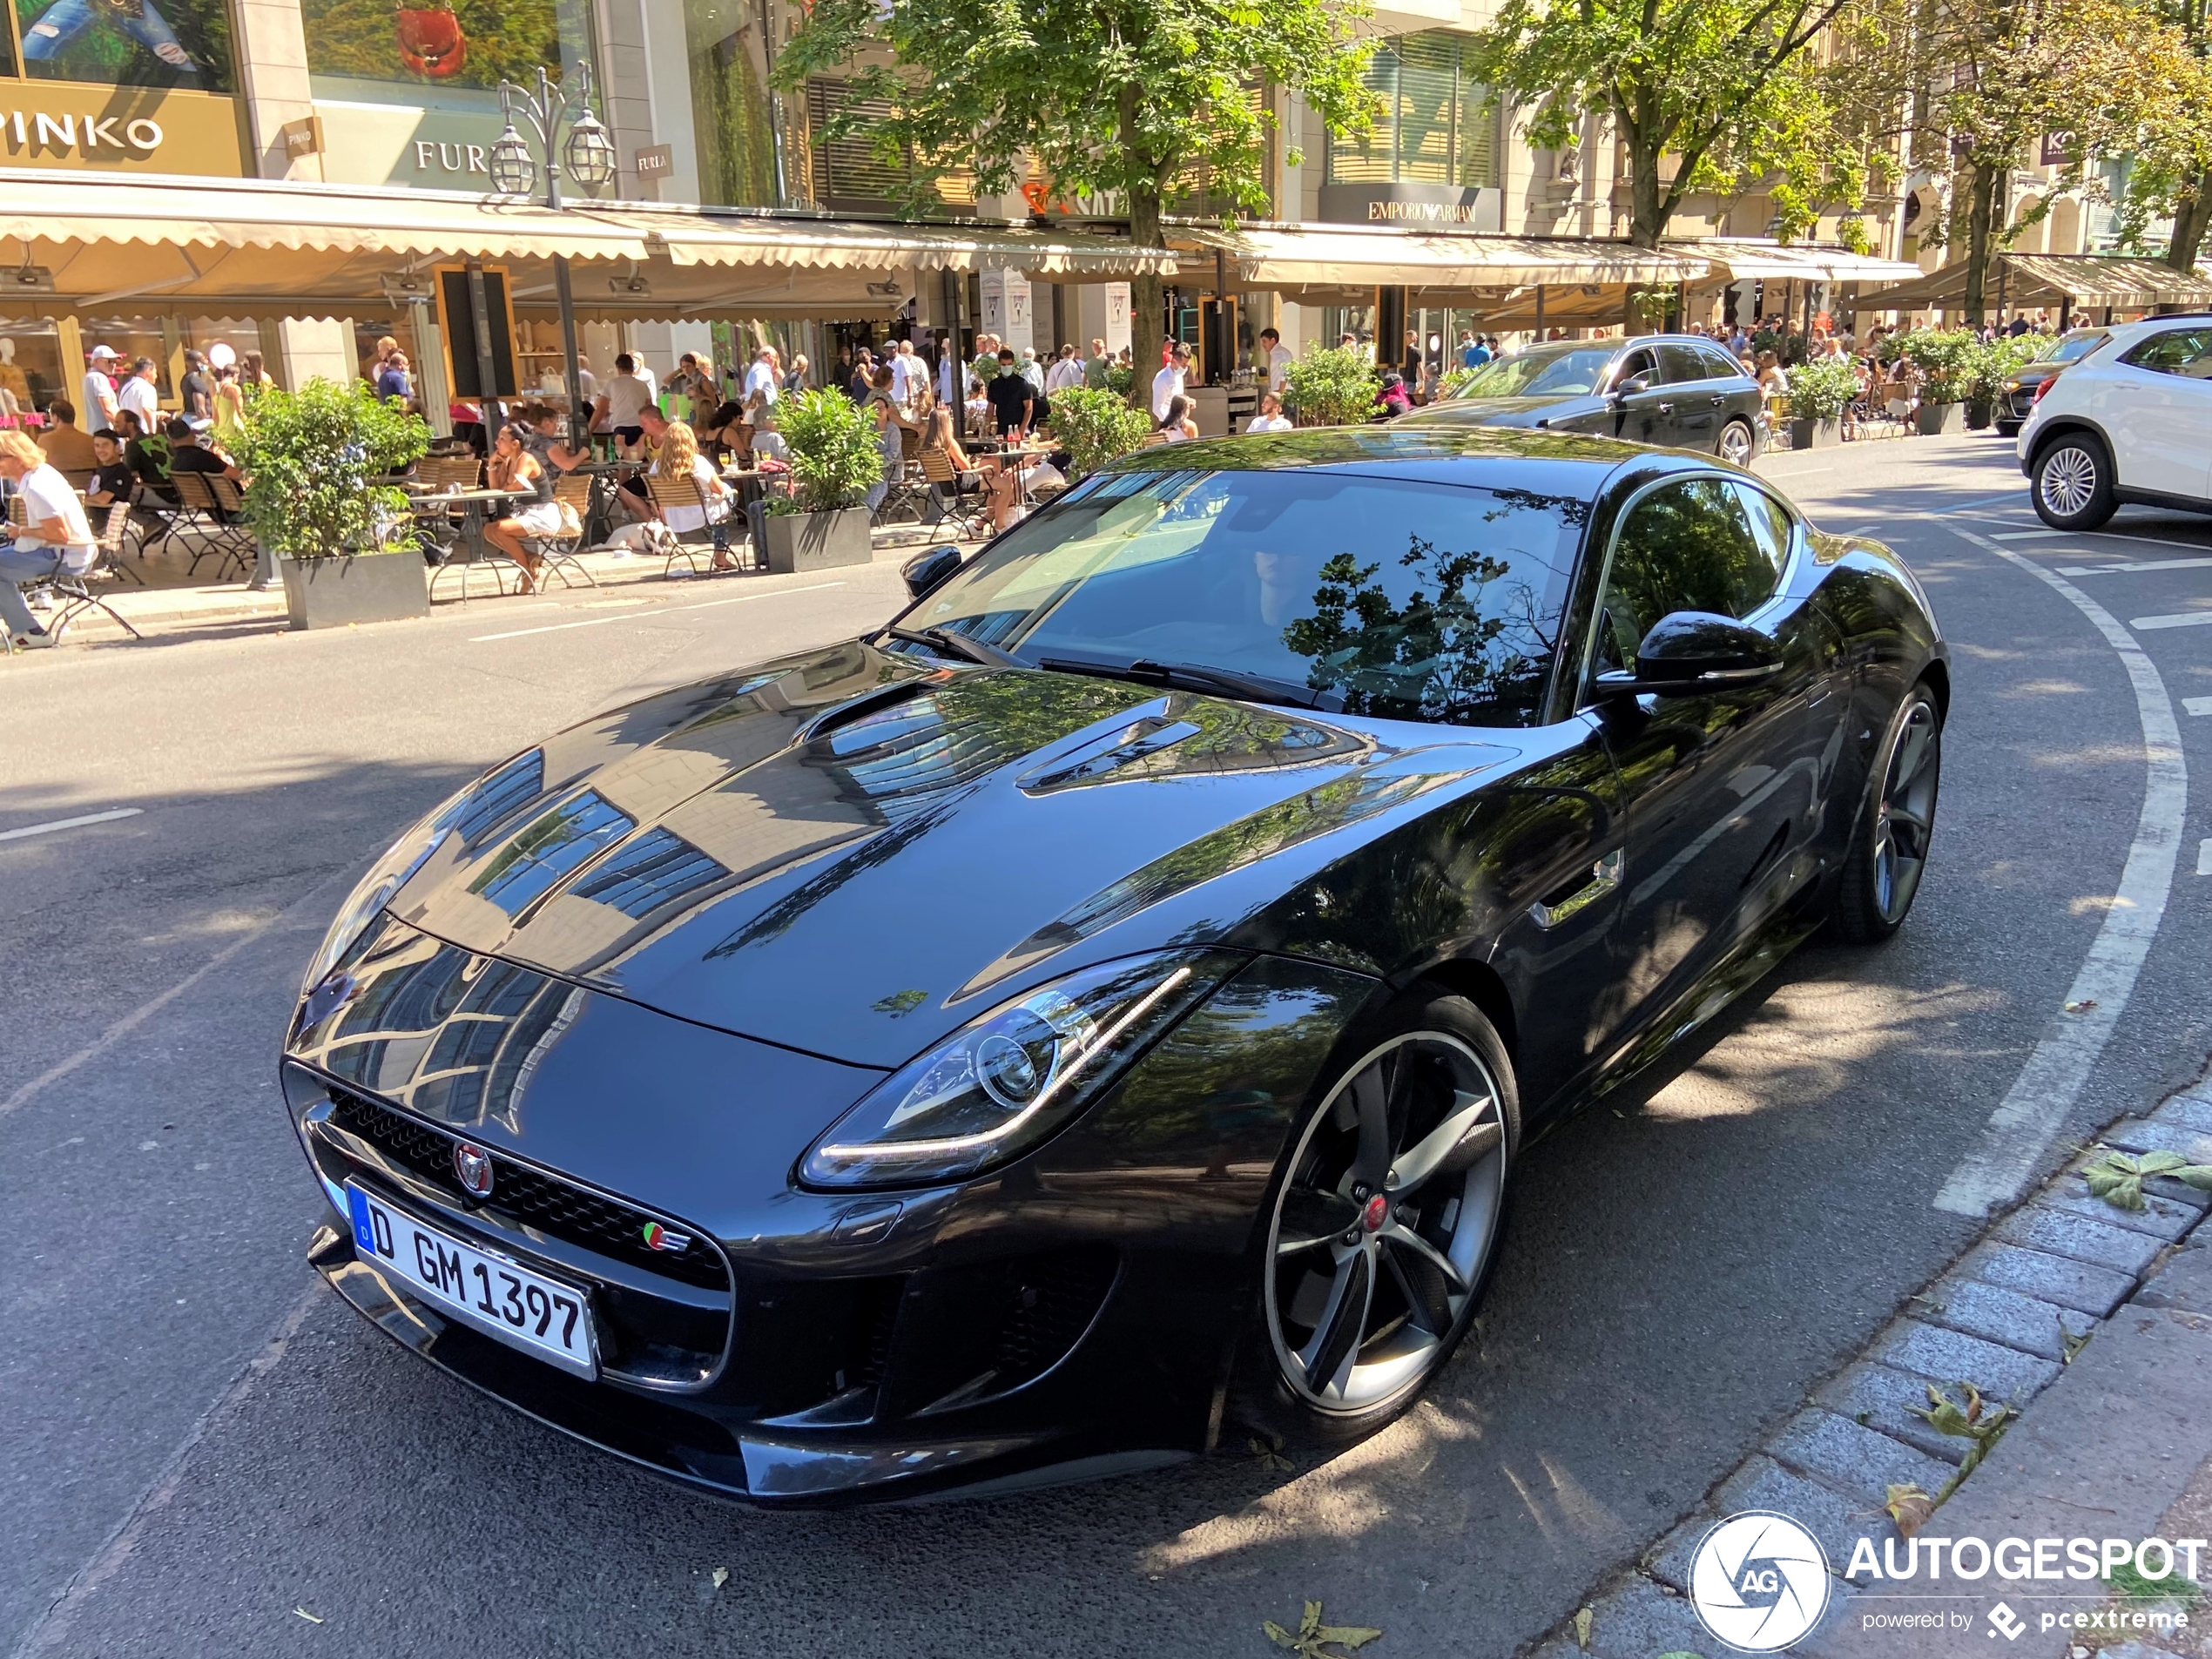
x: 1759, y: 1581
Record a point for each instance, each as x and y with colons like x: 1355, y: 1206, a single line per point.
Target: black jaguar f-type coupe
x: 1108, y: 1003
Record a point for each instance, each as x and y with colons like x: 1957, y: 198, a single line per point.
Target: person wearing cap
x: 98, y: 406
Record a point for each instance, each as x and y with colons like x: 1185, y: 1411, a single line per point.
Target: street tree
x: 2155, y: 110
x: 1148, y: 100
x: 1705, y: 95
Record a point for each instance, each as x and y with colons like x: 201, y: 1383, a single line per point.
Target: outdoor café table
x: 476, y: 506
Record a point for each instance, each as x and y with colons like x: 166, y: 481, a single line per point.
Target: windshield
x: 1546, y: 370
x: 1401, y: 599
x: 2072, y: 349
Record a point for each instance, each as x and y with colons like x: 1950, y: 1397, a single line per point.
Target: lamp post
x: 588, y: 156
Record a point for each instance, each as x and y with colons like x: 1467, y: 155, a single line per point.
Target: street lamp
x: 589, y: 158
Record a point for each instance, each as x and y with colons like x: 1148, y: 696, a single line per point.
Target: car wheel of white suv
x: 2073, y: 482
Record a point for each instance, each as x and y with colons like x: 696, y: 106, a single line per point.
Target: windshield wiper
x: 1191, y: 677
x: 946, y: 643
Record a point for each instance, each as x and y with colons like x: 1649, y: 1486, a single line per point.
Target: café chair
x: 71, y: 596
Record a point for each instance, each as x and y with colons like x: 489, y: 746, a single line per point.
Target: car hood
x: 851, y: 852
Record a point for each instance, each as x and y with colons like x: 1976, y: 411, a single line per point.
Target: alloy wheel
x: 2068, y: 480
x: 1386, y: 1222
x: 1904, y: 818
x: 1735, y: 444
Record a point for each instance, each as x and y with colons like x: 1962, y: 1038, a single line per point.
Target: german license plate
x: 540, y: 1316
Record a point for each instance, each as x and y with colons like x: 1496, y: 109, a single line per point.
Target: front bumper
x: 1071, y: 1314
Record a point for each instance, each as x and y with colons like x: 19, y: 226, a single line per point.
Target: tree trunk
x: 2190, y: 226
x: 1647, y: 210
x: 1981, y: 203
x: 1145, y: 302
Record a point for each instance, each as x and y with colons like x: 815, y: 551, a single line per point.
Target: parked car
x: 1108, y: 1002
x: 2131, y: 421
x: 2017, y: 395
x: 1681, y: 391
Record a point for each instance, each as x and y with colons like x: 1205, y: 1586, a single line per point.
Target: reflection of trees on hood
x: 1436, y: 656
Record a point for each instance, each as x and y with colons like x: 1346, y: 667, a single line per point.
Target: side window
x: 1719, y: 365
x: 1771, y: 527
x: 1685, y: 546
x: 1680, y: 364
x: 1636, y: 363
x: 2186, y: 352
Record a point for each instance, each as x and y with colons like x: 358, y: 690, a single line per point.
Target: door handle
x: 1719, y: 399
x: 1556, y: 907
x: 1666, y: 408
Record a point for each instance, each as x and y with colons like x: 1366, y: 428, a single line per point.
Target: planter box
x: 1936, y: 418
x: 1816, y: 435
x: 801, y: 541
x: 355, y: 587
x: 1977, y: 417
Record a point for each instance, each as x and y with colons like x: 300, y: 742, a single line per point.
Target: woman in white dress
x: 678, y: 467
x: 512, y: 467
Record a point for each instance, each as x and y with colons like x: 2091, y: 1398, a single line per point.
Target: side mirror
x: 932, y: 569
x: 1694, y: 652
x: 1633, y: 386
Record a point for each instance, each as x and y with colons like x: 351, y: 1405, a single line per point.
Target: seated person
x: 65, y: 446
x: 187, y: 454
x: 147, y: 456
x: 692, y: 495
x: 1271, y: 417
x: 1177, y: 426
x: 768, y: 443
x: 982, y: 475
x: 111, y: 480
x: 547, y: 439
x: 56, y: 538
x: 512, y: 467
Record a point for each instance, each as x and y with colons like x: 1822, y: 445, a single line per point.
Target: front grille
x: 551, y: 1205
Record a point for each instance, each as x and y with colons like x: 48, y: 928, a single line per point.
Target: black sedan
x: 1104, y: 1009
x: 2021, y: 387
x: 1680, y: 390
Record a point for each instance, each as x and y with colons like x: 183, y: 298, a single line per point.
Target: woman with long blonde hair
x: 678, y: 467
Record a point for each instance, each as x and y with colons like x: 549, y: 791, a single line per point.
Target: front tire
x: 1896, y: 822
x: 1382, y: 1225
x: 2072, y: 482
x: 1736, y: 444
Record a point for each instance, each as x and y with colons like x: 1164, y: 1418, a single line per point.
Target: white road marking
x: 2184, y: 619
x: 70, y: 823
x: 2197, y: 705
x: 2135, y: 564
x: 2028, y: 536
x: 2204, y: 857
x: 1997, y: 1171
x: 598, y: 622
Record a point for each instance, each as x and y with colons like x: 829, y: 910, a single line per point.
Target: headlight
x: 1013, y: 1075
x: 2012, y: 385
x: 386, y: 877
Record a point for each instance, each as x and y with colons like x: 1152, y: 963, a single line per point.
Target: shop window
x: 734, y: 118
x: 1431, y: 129
x: 126, y: 42
x: 425, y: 45
x: 849, y: 175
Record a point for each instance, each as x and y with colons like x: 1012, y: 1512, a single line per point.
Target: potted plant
x: 312, y: 460
x: 1945, y: 358
x: 1330, y: 385
x: 1819, y: 393
x: 1991, y: 364
x: 835, y: 461
x: 1094, y: 427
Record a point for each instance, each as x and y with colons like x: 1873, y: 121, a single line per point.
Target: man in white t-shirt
x: 761, y: 377
x: 1271, y: 417
x: 55, y: 537
x: 1167, y: 385
x: 1067, y: 371
x: 97, y: 408
x: 139, y: 394
x: 1275, y: 359
x: 908, y: 373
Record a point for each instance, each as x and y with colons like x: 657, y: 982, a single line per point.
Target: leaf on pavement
x: 1582, y: 1619
x: 1270, y: 1455
x: 1909, y: 1508
x: 308, y: 1616
x: 2070, y: 1344
x: 2118, y: 1179
x: 721, y: 1576
x: 1314, y: 1640
x: 2083, y: 1006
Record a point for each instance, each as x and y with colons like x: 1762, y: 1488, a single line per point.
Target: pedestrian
x: 1066, y: 372
x: 1169, y: 383
x: 1392, y: 401
x: 622, y: 406
x: 1032, y: 371
x: 1271, y: 417
x: 952, y: 373
x: 196, y: 392
x: 394, y: 383
x: 55, y: 538
x: 905, y: 373
x: 250, y: 371
x: 1013, y: 399
x: 137, y: 394
x: 98, y: 404
x: 986, y: 363
x: 796, y: 380
x: 883, y: 407
x: 862, y: 381
x: 1097, y: 366
x: 1274, y: 360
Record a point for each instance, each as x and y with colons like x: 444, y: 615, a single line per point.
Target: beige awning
x: 1352, y: 257
x: 253, y: 247
x: 1736, y: 258
x: 2117, y: 279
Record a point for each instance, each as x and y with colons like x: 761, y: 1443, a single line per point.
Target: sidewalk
x: 2095, y: 1322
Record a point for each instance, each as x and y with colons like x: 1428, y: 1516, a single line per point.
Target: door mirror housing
x: 1634, y: 386
x: 1691, y: 654
x: 932, y: 570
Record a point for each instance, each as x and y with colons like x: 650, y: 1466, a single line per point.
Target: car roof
x: 1442, y: 452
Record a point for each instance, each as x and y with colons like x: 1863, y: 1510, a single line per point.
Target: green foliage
x: 1121, y: 381
x: 1971, y: 1420
x: 835, y: 456
x: 1947, y: 360
x: 1992, y: 364
x: 1330, y: 385
x: 1725, y: 87
x: 311, y: 458
x: 1428, y: 659
x: 1095, y: 426
x: 1823, y: 389
x: 1852, y: 234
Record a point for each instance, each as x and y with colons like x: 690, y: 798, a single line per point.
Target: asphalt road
x: 198, y: 1447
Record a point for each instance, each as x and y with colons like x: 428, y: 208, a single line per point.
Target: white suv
x: 2131, y: 421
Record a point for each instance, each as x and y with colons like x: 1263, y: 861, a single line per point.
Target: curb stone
x: 2063, y: 1259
